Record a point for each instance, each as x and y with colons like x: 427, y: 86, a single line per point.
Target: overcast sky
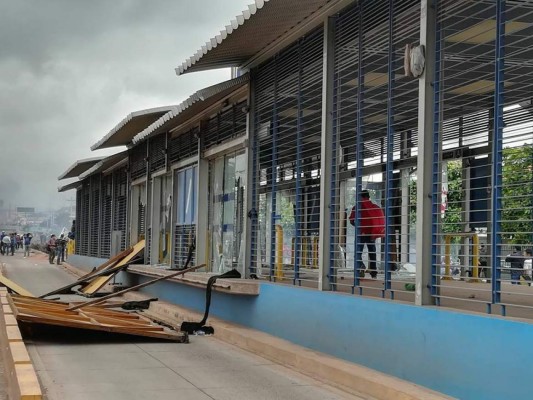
x: 70, y: 70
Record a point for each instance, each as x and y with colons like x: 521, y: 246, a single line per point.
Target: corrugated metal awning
x: 197, y: 102
x: 262, y: 24
x: 105, y: 164
x: 69, y: 186
x: 126, y: 129
x: 79, y: 167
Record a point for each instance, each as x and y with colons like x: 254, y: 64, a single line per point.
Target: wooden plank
x: 14, y: 286
x: 93, y: 274
x: 109, y: 263
x: 104, y: 298
x: 98, y: 284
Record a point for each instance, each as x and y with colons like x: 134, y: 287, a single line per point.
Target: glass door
x: 227, y: 188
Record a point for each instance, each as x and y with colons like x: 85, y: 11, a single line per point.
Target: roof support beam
x: 428, y: 129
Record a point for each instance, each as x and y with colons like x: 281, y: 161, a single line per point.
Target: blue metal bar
x: 359, y: 144
x: 390, y: 151
x: 437, y: 173
x: 497, y: 150
x: 298, y: 216
x: 334, y: 182
x: 254, y: 212
x: 273, y: 214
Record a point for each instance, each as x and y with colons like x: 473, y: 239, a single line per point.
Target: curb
x: 349, y: 377
x: 22, y: 380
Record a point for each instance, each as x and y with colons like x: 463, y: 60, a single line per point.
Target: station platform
x: 235, y: 363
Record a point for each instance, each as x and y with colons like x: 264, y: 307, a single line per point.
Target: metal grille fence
x: 287, y: 145
x: 483, y: 81
x: 184, y: 236
x: 120, y: 203
x: 184, y: 145
x: 79, y: 199
x: 226, y: 125
x: 375, y: 116
x: 95, y: 203
x: 83, y: 223
x: 138, y: 161
x: 158, y: 152
x: 107, y: 205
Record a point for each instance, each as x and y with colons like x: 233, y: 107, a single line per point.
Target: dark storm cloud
x: 70, y: 70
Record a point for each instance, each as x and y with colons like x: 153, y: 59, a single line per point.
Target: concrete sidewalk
x: 129, y: 368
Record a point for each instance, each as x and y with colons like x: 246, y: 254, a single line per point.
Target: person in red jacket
x: 371, y: 227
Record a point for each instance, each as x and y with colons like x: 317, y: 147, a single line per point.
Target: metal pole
x: 328, y: 163
x: 497, y: 152
x: 390, y: 151
x: 359, y: 144
x: 428, y: 163
x: 273, y: 215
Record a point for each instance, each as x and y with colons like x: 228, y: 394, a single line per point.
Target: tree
x: 452, y: 221
x: 517, y: 192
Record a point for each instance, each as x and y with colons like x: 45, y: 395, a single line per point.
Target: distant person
x: 27, y: 243
x: 13, y: 243
x: 51, y: 247
x: 516, y: 259
x: 60, y: 249
x: 483, y: 262
x: 371, y: 227
x: 6, y: 245
x: 72, y: 233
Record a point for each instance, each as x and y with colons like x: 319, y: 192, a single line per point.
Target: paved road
x: 75, y: 368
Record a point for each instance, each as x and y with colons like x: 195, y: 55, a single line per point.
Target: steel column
x: 497, y: 155
x: 273, y: 215
x: 390, y: 150
x: 328, y: 161
x: 428, y: 176
x: 359, y: 144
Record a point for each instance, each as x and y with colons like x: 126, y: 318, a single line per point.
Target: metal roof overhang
x: 195, y: 104
x: 79, y: 167
x: 258, y: 28
x: 126, y: 129
x: 69, y: 186
x: 105, y: 164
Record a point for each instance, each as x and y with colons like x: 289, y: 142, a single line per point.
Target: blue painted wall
x: 84, y: 262
x: 464, y: 355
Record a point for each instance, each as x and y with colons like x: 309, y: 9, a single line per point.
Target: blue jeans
x: 371, y: 246
x: 515, y: 276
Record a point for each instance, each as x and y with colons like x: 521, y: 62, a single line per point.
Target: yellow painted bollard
x: 475, y: 259
x: 315, y: 251
x: 303, y: 253
x: 279, y: 252
x: 293, y: 243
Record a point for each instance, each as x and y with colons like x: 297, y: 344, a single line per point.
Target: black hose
x: 191, y: 327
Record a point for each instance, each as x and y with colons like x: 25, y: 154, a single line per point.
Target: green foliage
x: 517, y: 192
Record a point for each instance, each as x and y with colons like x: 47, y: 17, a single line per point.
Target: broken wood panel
x: 109, y: 263
x: 98, y: 283
x: 48, y: 312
